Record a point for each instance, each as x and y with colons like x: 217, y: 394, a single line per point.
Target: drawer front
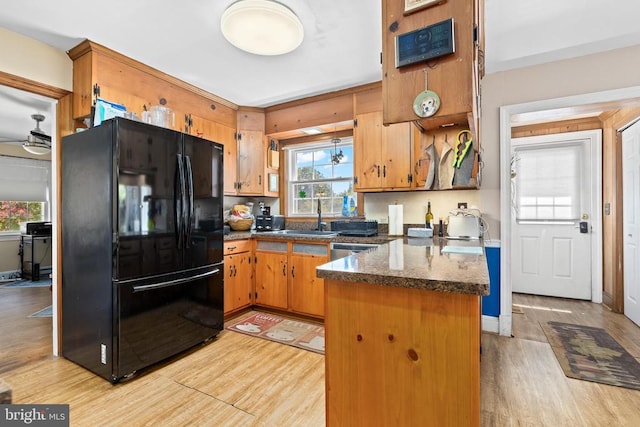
x: 311, y: 249
x: 237, y: 246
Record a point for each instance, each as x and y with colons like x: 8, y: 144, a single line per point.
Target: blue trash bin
x: 491, y: 302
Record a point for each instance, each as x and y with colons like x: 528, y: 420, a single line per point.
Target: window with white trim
x: 24, y: 192
x: 548, y: 183
x: 319, y: 171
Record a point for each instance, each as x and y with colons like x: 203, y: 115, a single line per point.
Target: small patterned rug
x: 28, y: 284
x: 45, y: 312
x: 591, y: 354
x: 308, y: 336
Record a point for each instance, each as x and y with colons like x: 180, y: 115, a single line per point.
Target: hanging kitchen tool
x: 424, y: 168
x: 433, y: 165
x: 463, y: 143
x: 462, y: 175
x: 427, y: 102
x: 445, y: 169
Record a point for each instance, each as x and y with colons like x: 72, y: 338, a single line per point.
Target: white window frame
x: 291, y: 152
x: 32, y: 171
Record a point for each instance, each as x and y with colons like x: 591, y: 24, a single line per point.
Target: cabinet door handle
x: 259, y: 179
x: 284, y: 270
x: 384, y: 171
x: 293, y: 271
x: 378, y: 171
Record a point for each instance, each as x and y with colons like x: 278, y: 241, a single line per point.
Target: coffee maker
x: 267, y: 222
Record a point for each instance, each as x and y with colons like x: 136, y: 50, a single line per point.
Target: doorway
x: 631, y: 220
x: 613, y: 99
x: 555, y: 186
x: 61, y: 116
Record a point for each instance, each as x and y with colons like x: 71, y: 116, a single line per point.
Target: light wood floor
x: 238, y: 380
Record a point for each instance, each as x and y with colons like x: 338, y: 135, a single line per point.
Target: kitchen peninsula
x: 402, y: 331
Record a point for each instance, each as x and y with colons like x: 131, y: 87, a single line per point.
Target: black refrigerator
x: 142, y: 245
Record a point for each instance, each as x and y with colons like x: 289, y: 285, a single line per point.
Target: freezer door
x: 161, y: 317
x: 204, y: 182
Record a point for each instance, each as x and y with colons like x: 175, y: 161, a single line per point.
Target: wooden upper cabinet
x: 202, y: 128
x: 251, y: 154
x: 382, y: 154
x: 227, y: 137
x: 101, y: 72
x: 453, y: 77
x: 251, y: 162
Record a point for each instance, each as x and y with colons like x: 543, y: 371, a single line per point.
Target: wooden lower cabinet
x: 400, y: 356
x: 285, y: 276
x: 238, y: 275
x: 307, y: 290
x: 271, y: 273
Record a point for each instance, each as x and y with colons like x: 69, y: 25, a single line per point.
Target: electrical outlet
x: 462, y: 205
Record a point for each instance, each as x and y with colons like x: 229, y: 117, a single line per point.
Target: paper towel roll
x: 395, y: 220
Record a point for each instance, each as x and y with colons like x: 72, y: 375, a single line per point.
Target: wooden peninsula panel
x: 401, y: 356
x: 402, y: 334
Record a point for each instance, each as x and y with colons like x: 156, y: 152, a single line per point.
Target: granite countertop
x: 415, y: 263
x: 240, y: 235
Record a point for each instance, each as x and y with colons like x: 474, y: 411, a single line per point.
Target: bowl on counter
x: 240, y: 224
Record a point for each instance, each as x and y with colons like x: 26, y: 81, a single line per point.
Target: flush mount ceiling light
x: 262, y: 27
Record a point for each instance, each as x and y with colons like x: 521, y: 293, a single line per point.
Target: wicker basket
x: 240, y: 224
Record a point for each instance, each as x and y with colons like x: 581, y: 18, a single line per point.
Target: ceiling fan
x: 37, y: 141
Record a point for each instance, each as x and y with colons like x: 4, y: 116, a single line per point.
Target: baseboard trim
x: 6, y: 276
x: 490, y: 324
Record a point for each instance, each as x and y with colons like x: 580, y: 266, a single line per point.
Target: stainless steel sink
x: 306, y: 233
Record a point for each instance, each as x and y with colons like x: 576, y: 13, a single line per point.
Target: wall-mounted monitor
x: 426, y: 43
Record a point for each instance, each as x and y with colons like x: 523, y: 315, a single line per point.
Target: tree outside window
x: 313, y: 175
x: 13, y: 213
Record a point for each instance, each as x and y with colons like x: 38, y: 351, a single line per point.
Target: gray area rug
x: 45, y: 312
x: 28, y: 284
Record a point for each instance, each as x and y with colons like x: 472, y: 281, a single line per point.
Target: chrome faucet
x: 320, y: 224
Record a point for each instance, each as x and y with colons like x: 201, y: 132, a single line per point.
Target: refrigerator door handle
x: 142, y: 288
x: 178, y: 198
x: 189, y: 211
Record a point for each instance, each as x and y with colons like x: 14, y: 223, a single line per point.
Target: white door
x: 631, y: 220
x: 552, y: 194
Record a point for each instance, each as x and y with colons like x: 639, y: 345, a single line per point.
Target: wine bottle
x: 428, y: 218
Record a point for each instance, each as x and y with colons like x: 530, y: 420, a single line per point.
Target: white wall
x: 614, y: 69
x: 33, y: 60
x: 415, y: 204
